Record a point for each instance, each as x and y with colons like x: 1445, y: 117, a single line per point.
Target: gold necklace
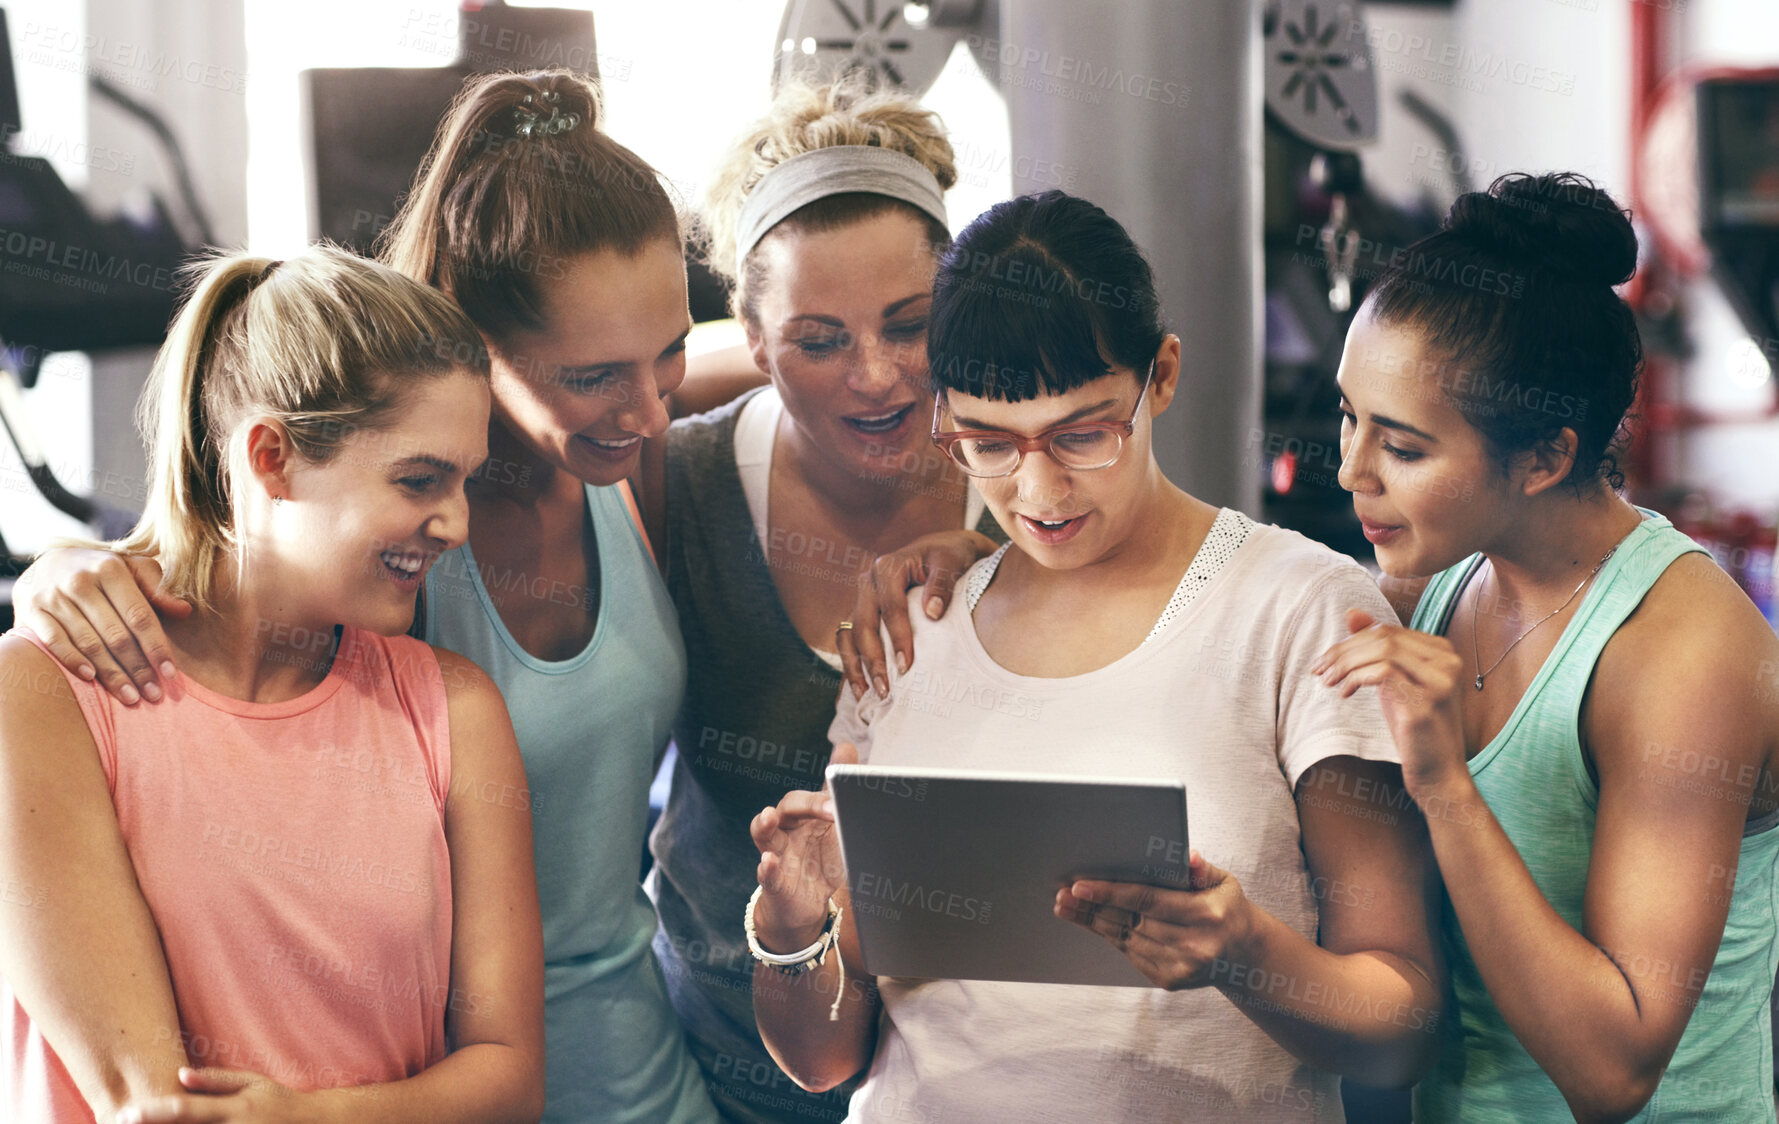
x: 1475, y: 648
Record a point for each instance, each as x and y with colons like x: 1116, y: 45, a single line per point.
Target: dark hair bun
x: 1559, y: 221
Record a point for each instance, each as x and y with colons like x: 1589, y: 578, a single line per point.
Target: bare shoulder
x: 1696, y: 611
x: 39, y: 713
x: 466, y: 684
x: 481, y: 730
x: 1695, y: 650
x: 32, y: 684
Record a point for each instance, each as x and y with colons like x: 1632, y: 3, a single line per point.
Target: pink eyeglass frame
x: 948, y: 441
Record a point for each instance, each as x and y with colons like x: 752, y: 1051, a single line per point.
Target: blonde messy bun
x: 802, y: 119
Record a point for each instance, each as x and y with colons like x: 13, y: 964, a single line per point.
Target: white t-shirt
x: 1221, y: 695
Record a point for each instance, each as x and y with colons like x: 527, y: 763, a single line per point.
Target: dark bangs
x: 1040, y: 295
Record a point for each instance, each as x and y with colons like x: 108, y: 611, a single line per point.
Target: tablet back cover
x: 953, y: 874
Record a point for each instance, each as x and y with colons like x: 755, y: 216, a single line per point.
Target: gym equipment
x: 71, y: 281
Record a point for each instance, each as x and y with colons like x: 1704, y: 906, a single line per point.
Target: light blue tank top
x: 1537, y: 785
x: 590, y: 730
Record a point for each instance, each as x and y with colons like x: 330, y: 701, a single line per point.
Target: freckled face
x: 843, y: 333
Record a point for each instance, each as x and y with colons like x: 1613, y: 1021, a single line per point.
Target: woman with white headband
x: 1131, y: 629
x: 586, y: 315
x: 829, y: 215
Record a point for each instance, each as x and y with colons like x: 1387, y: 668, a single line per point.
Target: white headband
x: 817, y: 174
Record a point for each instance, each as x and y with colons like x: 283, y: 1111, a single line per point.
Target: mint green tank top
x: 1537, y: 785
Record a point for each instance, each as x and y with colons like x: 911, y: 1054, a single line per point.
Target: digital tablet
x: 953, y: 873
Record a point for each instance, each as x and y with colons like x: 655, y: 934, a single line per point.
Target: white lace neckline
x: 1228, y: 532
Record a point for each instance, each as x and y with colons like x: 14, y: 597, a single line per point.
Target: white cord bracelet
x: 805, y: 960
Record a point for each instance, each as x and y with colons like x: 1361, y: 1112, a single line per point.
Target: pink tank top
x: 293, y: 855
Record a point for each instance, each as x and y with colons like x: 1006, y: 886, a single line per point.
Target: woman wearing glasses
x: 829, y: 215
x: 1303, y: 948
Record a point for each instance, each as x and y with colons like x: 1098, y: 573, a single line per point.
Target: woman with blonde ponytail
x: 566, y: 251
x: 285, y: 893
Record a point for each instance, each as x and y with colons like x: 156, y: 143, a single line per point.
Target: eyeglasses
x: 1082, y: 446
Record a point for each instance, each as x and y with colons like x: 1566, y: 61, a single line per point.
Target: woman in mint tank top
x: 1587, y: 707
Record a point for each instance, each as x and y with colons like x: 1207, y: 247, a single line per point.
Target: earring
x: 277, y: 500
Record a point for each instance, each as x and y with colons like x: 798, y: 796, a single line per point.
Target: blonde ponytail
x: 184, y: 465
x: 324, y: 343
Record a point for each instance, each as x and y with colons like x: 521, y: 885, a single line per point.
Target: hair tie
x: 531, y: 121
x: 835, y: 170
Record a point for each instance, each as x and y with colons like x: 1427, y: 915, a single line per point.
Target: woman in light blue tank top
x: 556, y: 594
x: 1585, y: 704
x: 589, y: 726
x: 565, y: 251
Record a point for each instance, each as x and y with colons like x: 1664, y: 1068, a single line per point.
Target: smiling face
x: 1425, y: 486
x: 583, y: 391
x: 356, y: 533
x: 1066, y: 518
x: 842, y: 331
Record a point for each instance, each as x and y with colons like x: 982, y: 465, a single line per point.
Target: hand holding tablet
x: 1175, y: 938
x: 956, y: 874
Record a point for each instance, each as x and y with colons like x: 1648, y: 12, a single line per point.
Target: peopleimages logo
x: 1071, y: 70
x: 256, y: 851
x: 76, y: 264
x: 55, y: 147
x: 1419, y: 265
x: 1461, y: 61
x: 880, y: 891
x: 762, y: 751
x: 1031, y: 275
x: 1504, y: 392
x: 891, y: 786
x: 940, y: 689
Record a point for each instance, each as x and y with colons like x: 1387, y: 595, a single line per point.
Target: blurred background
x: 1270, y: 156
